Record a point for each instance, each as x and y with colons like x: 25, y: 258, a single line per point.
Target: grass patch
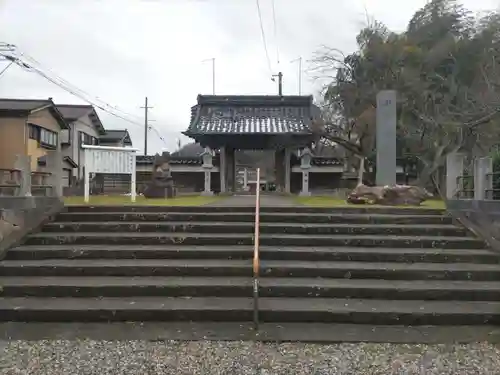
x: 325, y: 201
x: 119, y: 200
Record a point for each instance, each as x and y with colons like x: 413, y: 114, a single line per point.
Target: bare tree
x: 445, y: 68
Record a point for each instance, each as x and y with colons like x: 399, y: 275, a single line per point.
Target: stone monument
x: 162, y: 183
x: 386, y: 138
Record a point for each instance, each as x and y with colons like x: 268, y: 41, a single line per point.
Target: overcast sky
x: 122, y: 50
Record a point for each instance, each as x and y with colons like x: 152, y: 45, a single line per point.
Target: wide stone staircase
x: 320, y: 268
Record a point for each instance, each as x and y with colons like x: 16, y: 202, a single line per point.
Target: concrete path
x: 249, y: 201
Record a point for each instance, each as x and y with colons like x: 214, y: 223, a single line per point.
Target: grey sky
x: 123, y: 50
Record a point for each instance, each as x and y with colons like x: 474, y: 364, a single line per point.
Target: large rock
x: 162, y: 183
x: 393, y: 195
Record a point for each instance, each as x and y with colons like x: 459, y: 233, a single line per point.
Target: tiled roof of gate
x: 238, y: 114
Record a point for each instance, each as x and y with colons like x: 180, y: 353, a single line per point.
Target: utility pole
x: 213, y: 73
x: 146, y: 125
x: 280, y: 82
x: 300, y: 73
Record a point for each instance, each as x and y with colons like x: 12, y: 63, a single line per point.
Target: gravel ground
x: 241, y: 358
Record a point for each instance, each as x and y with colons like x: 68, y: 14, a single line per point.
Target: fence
x: 474, y: 202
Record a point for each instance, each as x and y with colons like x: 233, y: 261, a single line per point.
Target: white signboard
x: 102, y: 159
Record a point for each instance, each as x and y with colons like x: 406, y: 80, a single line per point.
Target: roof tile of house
x: 74, y: 112
x: 23, y: 104
x: 115, y: 136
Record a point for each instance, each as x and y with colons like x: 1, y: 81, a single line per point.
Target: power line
x: 276, y: 33
x: 65, y: 85
x: 33, y: 61
x: 159, y: 135
x: 7, y: 67
x: 263, y: 37
x: 11, y: 53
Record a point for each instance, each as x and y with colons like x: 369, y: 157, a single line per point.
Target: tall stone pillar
x: 230, y: 170
x: 207, y: 170
x: 279, y: 168
x: 454, y: 172
x: 54, y: 167
x: 245, y: 179
x: 483, y: 182
x: 288, y: 171
x: 23, y: 164
x: 305, y: 165
x: 223, y: 170
x: 386, y: 138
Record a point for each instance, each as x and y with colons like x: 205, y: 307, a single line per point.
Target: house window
x: 86, y: 139
x: 45, y: 138
x: 48, y: 138
x: 34, y: 132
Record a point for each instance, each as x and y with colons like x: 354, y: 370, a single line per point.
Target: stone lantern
x: 207, y: 166
x: 305, y: 165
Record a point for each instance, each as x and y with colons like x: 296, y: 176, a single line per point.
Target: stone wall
x: 20, y: 216
x: 482, y: 217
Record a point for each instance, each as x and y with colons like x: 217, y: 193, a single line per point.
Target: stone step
x: 242, y: 286
x: 282, y: 332
x: 235, y: 227
x: 269, y: 268
x: 380, y: 289
x: 128, y: 238
x: 359, y: 311
x: 96, y: 286
x: 269, y: 217
x: 34, y: 252
x: 126, y: 267
x: 362, y: 254
x: 265, y: 209
x: 381, y: 270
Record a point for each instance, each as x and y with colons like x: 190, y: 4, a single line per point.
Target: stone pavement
x: 249, y: 201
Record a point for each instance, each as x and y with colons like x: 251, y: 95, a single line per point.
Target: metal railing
x: 256, y: 256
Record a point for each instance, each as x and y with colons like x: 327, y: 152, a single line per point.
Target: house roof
x: 42, y: 161
x: 27, y: 106
x: 23, y: 105
x: 73, y: 112
x: 116, y: 135
x: 251, y: 114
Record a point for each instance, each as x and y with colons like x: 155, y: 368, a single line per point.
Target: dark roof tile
x: 23, y: 104
x: 115, y: 136
x: 237, y: 114
x: 72, y: 112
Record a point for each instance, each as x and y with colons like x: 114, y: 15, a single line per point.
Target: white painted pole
x: 86, y: 185
x: 133, y: 179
